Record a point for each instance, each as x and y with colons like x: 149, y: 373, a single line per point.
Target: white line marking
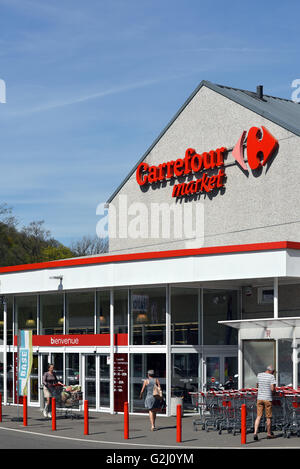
x: 143, y: 445
x: 96, y: 441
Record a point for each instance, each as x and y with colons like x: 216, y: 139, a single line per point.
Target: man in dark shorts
x: 266, y: 386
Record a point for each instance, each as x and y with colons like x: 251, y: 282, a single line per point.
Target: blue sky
x: 91, y: 84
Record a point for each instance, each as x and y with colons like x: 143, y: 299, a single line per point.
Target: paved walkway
x: 106, y: 431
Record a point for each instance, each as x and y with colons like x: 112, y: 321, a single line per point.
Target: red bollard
x: 243, y: 424
x: 25, y: 411
x: 86, y: 417
x: 179, y: 425
x: 53, y: 413
x: 0, y: 407
x: 126, y: 421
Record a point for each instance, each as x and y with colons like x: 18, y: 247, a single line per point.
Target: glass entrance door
x: 33, y: 388
x: 220, y: 369
x: 90, y: 392
x: 97, y: 380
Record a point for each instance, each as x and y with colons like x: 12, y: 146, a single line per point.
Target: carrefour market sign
x: 209, y: 167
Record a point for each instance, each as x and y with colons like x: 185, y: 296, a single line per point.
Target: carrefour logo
x: 261, y: 145
x: 208, y: 167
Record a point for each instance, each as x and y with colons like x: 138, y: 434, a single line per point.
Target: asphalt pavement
x: 107, y: 431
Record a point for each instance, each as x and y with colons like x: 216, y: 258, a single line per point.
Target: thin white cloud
x: 101, y: 94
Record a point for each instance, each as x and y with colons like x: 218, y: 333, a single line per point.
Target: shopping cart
x: 68, y: 400
x: 292, y: 414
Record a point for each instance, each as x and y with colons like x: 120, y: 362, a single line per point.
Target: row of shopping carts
x: 221, y: 410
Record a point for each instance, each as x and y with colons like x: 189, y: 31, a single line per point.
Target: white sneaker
x: 45, y: 413
x: 49, y: 415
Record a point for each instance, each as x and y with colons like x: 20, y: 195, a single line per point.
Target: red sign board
x: 120, y: 381
x: 82, y: 340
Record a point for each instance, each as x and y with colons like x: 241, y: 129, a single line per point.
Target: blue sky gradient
x: 91, y: 84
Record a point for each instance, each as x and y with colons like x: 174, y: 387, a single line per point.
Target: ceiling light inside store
x: 141, y: 318
x: 30, y: 322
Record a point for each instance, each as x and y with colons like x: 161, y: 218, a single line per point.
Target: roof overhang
x: 220, y: 264
x: 262, y: 323
x: 266, y: 329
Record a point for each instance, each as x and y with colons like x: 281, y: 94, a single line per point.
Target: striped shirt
x: 265, y: 381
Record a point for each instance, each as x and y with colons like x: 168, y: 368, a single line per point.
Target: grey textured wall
x: 251, y: 209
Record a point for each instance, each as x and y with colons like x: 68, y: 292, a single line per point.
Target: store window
x: 104, y: 380
x: 1, y: 373
x: 288, y: 301
x: 121, y: 311
x: 33, y: 380
x: 285, y: 362
x: 57, y: 360
x: 26, y: 313
x: 52, y: 314
x: 257, y: 302
x: 219, y: 305
x: 148, y: 316
x: 10, y: 374
x: 257, y: 355
x: 9, y: 321
x: 140, y: 363
x: 81, y: 312
x: 1, y: 325
x: 10, y: 333
x: 231, y: 370
x: 103, y: 312
x: 72, y: 369
x: 185, y: 368
x: 90, y: 380
x: 184, y: 316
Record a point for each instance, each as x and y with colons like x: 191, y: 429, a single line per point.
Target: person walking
x: 266, y: 386
x: 153, y: 400
x: 49, y: 382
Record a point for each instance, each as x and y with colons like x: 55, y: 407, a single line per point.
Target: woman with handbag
x: 154, y: 396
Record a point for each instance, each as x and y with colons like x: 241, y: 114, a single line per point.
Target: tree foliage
x: 34, y: 243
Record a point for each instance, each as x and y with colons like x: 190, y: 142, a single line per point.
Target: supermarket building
x: 202, y: 276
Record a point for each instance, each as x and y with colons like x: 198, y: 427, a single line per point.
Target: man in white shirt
x: 266, y: 386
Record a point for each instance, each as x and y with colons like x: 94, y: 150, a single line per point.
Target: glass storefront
x: 103, y: 312
x: 34, y: 380
x: 104, y: 380
x: 26, y: 312
x: 80, y: 312
x: 90, y: 380
x: 185, y: 377
x: 258, y: 354
x: 184, y: 316
x: 219, y: 305
x: 285, y: 362
x: 121, y: 311
x: 52, y: 314
x: 148, y: 316
x: 72, y: 372
x: 140, y: 363
x: 143, y: 314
